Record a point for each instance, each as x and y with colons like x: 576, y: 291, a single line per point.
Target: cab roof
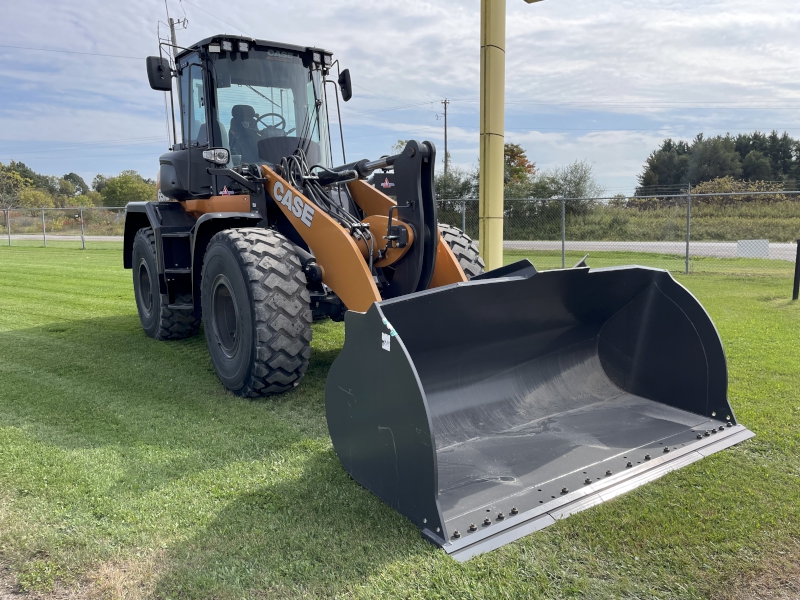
x: 242, y: 38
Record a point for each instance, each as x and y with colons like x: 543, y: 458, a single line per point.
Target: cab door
x: 184, y: 172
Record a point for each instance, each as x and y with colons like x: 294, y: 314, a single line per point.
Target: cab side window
x: 193, y: 107
x: 198, y: 131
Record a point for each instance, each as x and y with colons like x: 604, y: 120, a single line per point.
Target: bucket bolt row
x: 487, y: 521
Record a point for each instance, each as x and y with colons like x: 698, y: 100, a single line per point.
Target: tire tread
x: 281, y: 311
x: 172, y: 324
x: 465, y: 249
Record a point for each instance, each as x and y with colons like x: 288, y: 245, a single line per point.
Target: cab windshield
x: 269, y: 105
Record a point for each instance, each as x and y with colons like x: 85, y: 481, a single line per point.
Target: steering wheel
x: 280, y: 125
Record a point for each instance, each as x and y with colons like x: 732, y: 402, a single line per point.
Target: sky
x: 602, y: 81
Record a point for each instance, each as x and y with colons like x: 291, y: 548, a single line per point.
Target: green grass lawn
x: 127, y: 471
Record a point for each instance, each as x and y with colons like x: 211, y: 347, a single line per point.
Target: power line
x: 385, y: 96
x: 72, y: 52
x: 216, y: 17
x: 87, y: 145
x: 369, y: 112
x: 96, y: 156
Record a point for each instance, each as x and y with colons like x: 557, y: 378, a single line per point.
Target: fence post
x: 44, y: 232
x: 83, y: 238
x: 8, y: 224
x: 563, y: 233
x: 796, y: 290
x: 464, y: 216
x: 688, y: 223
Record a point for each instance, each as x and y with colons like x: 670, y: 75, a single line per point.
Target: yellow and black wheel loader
x: 481, y: 405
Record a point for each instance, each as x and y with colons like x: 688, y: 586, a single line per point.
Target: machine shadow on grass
x: 149, y: 422
x: 318, y: 534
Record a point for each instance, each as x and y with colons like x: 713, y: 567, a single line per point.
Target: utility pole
x: 173, y: 38
x: 445, y: 102
x: 172, y: 23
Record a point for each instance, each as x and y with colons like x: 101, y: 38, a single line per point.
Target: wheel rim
x: 225, y: 316
x: 145, y: 288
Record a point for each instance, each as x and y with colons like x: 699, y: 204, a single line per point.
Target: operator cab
x: 259, y: 100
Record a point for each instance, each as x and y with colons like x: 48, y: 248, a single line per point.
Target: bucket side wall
x: 378, y: 420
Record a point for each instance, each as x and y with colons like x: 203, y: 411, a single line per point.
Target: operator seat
x: 244, y: 135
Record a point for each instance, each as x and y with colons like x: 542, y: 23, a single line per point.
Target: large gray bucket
x: 485, y: 410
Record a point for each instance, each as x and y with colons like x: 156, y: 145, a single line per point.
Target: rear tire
x: 465, y: 249
x: 256, y: 311
x: 158, y: 320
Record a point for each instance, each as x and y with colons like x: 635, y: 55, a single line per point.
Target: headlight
x: 316, y: 57
x: 218, y: 156
x: 227, y: 46
x: 244, y: 47
x: 328, y: 59
x: 214, y: 48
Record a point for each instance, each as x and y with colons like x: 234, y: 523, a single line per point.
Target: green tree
x: 99, y: 182
x: 575, y: 180
x: 756, y: 167
x: 11, y: 184
x: 458, y: 183
x: 45, y: 182
x: 714, y: 158
x: 399, y: 146
x: 91, y: 198
x: 126, y: 187
x: 35, y: 198
x: 77, y: 182
x: 666, y: 167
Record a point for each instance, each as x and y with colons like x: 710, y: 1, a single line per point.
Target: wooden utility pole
x: 173, y: 37
x: 445, y: 102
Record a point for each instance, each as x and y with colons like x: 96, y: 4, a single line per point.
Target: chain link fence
x: 62, y: 226
x: 746, y: 233
x: 753, y: 232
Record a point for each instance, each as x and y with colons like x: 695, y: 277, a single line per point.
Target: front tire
x: 256, y: 311
x: 465, y: 249
x: 158, y: 320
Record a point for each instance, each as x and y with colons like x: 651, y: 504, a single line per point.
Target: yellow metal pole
x: 492, y: 117
x: 492, y: 145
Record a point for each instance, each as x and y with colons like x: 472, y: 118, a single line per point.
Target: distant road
x: 712, y: 249
x: 65, y: 238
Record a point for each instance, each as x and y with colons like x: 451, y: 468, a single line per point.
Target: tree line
x: 521, y: 178
x: 752, y: 157
x: 22, y: 187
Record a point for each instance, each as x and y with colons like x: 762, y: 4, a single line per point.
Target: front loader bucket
x: 486, y: 410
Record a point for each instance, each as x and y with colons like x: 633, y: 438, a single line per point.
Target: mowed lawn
x: 127, y: 471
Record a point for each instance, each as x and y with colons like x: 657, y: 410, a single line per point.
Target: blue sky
x: 603, y: 81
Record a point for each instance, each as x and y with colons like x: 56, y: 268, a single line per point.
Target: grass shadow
x: 317, y: 534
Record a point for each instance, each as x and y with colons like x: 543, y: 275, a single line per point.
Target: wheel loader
x: 481, y: 405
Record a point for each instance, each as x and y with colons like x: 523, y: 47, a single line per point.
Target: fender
x: 168, y: 220
x: 206, y: 227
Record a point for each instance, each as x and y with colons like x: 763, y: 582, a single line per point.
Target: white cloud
x: 572, y: 66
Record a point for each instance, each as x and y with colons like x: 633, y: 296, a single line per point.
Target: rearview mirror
x: 159, y: 74
x: 345, y: 85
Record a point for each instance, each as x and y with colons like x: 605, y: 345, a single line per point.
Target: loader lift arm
x: 345, y: 256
